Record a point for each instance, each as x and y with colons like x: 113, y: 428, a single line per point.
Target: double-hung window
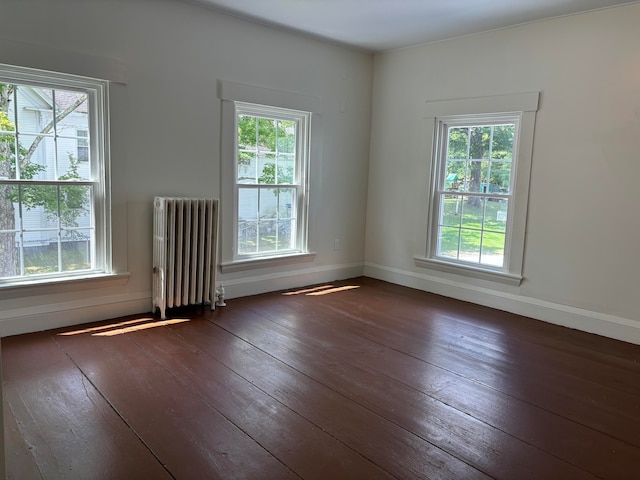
x: 54, y: 218
x: 270, y: 166
x: 268, y: 140
x: 480, y: 178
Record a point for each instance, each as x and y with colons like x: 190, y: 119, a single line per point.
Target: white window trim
x: 523, y: 105
x: 231, y: 94
x: 99, y: 149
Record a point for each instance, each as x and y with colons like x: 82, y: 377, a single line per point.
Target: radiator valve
x: 220, y: 295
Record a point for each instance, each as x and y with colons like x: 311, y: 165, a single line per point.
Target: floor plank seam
x: 289, y: 408
x: 116, y: 411
x: 206, y: 400
x: 454, y: 455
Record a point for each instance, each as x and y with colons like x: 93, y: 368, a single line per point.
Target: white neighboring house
x: 35, y: 111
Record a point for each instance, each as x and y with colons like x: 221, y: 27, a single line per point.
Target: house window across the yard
x: 480, y: 167
x: 53, y: 166
x: 270, y: 169
x: 83, y: 145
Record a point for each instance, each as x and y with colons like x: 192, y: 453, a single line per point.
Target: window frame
x: 97, y: 92
x: 300, y: 182
x: 231, y: 93
x: 489, y: 110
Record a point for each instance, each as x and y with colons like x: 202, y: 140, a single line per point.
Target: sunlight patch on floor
x: 144, y: 326
x: 308, y: 290
x: 321, y: 290
x: 333, y: 290
x: 124, y: 327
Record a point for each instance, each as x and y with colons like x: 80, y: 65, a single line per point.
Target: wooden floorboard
x: 359, y: 379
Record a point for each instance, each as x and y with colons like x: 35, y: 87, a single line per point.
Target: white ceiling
x: 379, y: 25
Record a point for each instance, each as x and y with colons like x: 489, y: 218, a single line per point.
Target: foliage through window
x: 52, y: 185
x: 474, y: 191
x: 270, y: 180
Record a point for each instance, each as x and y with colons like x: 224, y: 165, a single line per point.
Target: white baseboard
x: 64, y: 314
x: 271, y: 282
x: 45, y: 317
x: 611, y: 326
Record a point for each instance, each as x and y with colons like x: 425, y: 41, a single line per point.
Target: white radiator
x: 185, y: 234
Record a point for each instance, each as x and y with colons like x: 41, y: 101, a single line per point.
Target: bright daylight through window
x: 481, y: 152
x: 53, y: 219
x: 271, y: 158
x: 474, y: 191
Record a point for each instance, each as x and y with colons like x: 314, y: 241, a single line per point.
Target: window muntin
x: 474, y: 190
x: 270, y: 181
x: 53, y: 217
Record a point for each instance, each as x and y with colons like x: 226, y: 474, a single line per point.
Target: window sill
x: 20, y: 288
x: 265, y: 262
x: 469, y: 271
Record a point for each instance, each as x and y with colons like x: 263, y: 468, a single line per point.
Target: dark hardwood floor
x: 358, y: 380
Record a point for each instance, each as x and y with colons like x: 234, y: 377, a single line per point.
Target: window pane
x: 493, y: 249
x: 247, y: 237
x: 285, y: 234
x: 9, y: 259
x: 268, y: 172
x: 76, y: 250
x: 247, y: 132
x: 470, y: 245
x: 477, y: 171
x: 247, y: 168
x: 286, y: 136
x: 502, y: 147
x: 496, y: 214
x: 75, y: 205
x: 267, y: 134
x: 34, y: 109
x: 473, y: 212
x: 41, y: 256
x: 82, y: 145
x: 479, y: 142
x: 68, y: 164
x: 452, y: 210
x: 44, y: 198
x: 458, y: 143
x: 268, y: 203
x: 247, y: 204
x: 455, y: 175
x: 286, y: 169
x: 448, y: 241
x: 286, y: 199
x: 500, y: 178
x: 37, y: 157
x: 7, y: 150
x: 247, y: 220
x: 267, y: 236
x: 71, y: 112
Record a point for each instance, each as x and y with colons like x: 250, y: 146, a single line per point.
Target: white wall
x: 165, y: 133
x: 581, y: 254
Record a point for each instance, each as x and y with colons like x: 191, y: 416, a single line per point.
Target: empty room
x: 309, y: 239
